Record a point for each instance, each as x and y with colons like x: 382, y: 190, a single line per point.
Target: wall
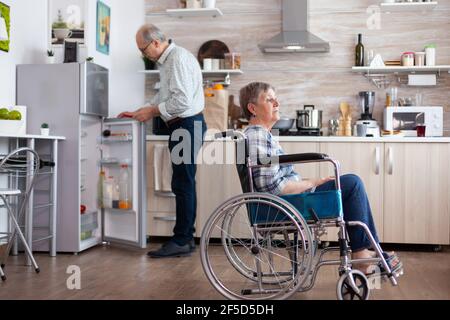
x: 320, y: 79
x: 28, y: 43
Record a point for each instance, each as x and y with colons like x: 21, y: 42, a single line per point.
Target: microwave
x: 406, y: 118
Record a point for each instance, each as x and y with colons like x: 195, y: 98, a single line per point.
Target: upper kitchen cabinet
x: 416, y: 194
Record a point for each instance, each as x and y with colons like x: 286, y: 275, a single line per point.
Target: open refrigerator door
x: 114, y: 186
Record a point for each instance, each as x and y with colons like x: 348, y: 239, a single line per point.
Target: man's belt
x: 177, y: 119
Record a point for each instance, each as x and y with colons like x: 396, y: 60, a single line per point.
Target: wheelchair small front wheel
x: 350, y: 281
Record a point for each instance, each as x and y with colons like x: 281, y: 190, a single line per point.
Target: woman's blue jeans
x: 356, y: 208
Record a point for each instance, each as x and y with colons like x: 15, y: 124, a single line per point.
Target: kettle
x: 309, y: 118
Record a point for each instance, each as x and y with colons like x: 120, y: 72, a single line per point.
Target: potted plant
x: 50, y: 56
x: 45, y: 130
x: 149, y: 64
x: 60, y: 28
x: 90, y: 59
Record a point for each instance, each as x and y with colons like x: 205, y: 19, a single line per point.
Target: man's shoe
x: 171, y: 249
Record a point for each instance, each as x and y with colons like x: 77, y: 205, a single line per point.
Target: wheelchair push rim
x: 266, y: 263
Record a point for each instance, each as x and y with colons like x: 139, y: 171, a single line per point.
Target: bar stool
x: 21, y: 164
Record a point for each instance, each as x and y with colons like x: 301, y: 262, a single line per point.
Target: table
x: 41, y: 144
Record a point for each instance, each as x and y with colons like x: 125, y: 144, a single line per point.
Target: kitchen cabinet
x: 416, y: 197
x: 407, y: 184
x: 160, y: 205
x: 366, y: 161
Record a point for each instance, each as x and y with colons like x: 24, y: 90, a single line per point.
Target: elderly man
x: 179, y: 103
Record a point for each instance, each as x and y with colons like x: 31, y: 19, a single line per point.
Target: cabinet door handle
x: 165, y: 194
x: 377, y: 160
x: 166, y: 219
x: 390, y: 161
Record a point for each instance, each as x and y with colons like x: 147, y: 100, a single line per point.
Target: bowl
x: 284, y: 124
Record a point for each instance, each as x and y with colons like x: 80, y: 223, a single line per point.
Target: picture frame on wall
x: 5, y: 20
x: 103, y: 27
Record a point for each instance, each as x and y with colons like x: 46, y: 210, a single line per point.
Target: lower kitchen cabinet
x: 160, y: 205
x: 417, y: 189
x: 366, y: 161
x: 408, y: 185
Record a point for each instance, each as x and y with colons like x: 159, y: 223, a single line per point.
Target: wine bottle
x: 21, y: 161
x: 359, y: 52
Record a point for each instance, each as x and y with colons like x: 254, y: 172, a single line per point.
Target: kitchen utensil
x: 367, y: 103
x: 213, y: 49
x: 284, y: 124
x: 309, y: 118
x: 345, y: 110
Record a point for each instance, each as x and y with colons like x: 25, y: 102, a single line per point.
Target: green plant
x: 50, y: 53
x: 44, y: 126
x: 90, y: 59
x: 60, y: 24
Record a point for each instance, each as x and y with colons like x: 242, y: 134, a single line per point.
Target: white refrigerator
x: 73, y: 100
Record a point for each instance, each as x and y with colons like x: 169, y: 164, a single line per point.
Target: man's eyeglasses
x: 145, y: 49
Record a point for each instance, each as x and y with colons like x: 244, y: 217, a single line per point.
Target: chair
x: 272, y: 242
x: 20, y: 168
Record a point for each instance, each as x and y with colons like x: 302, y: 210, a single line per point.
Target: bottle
x: 108, y: 188
x: 124, y: 188
x: 101, y: 182
x: 430, y: 52
x: 116, y: 194
x: 359, y: 52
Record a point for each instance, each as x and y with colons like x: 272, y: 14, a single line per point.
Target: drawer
x: 89, y: 221
x: 160, y: 224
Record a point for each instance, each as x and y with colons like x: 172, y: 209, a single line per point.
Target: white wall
x: 29, y: 23
x: 127, y: 85
x: 28, y: 43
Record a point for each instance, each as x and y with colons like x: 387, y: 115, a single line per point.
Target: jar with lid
x: 408, y: 59
x: 233, y: 61
x: 419, y: 58
x: 430, y: 52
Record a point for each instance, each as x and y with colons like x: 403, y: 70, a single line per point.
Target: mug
x: 207, y: 64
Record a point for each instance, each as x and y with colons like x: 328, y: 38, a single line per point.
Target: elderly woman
x: 262, y: 109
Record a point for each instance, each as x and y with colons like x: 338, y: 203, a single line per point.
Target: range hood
x: 295, y: 36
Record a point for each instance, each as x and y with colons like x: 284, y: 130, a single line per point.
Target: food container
x: 419, y: 58
x: 408, y: 59
x: 430, y: 52
x: 233, y: 61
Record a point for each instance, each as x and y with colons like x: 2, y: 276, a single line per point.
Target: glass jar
x: 233, y: 61
x: 408, y: 59
x: 419, y: 58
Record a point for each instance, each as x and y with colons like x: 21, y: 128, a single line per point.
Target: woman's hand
x: 319, y: 182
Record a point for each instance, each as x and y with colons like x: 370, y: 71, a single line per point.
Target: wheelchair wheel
x: 270, y: 258
x: 346, y: 292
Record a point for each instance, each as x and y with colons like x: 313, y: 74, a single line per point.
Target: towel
x: 162, y: 169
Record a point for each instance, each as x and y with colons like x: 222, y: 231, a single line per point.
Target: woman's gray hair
x: 250, y: 94
x: 150, y: 33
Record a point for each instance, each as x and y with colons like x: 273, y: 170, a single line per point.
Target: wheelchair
x: 272, y: 243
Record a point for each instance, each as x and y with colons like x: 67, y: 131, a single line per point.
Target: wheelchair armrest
x: 292, y: 158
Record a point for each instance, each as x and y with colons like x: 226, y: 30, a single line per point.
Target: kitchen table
x: 47, y: 148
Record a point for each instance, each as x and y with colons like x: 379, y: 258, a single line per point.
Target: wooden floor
x: 109, y: 272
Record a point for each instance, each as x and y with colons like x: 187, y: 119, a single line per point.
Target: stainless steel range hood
x: 295, y: 36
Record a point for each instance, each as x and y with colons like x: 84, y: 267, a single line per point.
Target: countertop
x: 32, y: 136
x: 337, y: 139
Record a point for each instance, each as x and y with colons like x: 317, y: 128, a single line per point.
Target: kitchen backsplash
x: 322, y: 79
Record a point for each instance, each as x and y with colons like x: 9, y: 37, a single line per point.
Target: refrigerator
x: 73, y: 99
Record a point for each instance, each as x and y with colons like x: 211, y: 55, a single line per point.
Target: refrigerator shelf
x: 116, y: 140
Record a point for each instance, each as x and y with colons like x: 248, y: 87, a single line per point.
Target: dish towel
x: 162, y: 169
